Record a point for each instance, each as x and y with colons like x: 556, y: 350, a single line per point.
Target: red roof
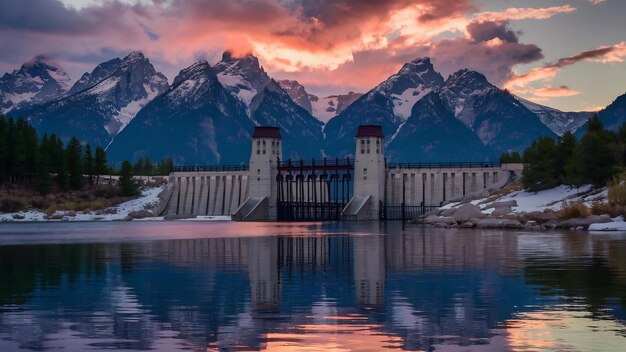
x: 266, y: 132
x: 370, y: 131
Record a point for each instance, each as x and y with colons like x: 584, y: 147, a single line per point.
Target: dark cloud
x: 481, y: 31
x: 52, y: 17
x: 585, y: 55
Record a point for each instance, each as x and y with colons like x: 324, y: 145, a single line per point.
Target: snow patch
x: 149, y: 198
x: 403, y: 103
x: 325, y: 108
x: 548, y: 199
x: 239, y: 86
x: 611, y: 226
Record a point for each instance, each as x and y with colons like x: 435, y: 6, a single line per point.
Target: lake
x: 348, y: 286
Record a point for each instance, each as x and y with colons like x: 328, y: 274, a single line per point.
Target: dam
x: 363, y: 187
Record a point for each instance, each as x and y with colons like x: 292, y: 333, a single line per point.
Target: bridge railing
x: 312, y: 164
x: 460, y: 165
x: 214, y: 168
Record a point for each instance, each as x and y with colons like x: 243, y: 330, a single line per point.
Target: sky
x: 568, y: 54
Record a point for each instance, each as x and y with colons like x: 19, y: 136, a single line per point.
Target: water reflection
x: 390, y: 289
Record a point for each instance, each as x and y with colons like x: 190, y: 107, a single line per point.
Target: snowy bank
x: 142, y: 208
x: 520, y: 209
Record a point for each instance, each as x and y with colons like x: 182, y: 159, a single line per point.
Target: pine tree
x: 74, y: 163
x: 3, y: 149
x: 148, y: 168
x: 100, y: 163
x: 43, y: 182
x: 127, y: 185
x: 138, y: 167
x: 541, y: 168
x: 89, y: 164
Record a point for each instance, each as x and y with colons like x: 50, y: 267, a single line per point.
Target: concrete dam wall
x: 207, y: 193
x: 363, y: 188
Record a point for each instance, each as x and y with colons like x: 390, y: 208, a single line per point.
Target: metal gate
x: 313, y: 191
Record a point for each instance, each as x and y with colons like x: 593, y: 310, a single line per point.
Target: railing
x: 460, y: 165
x: 404, y: 212
x: 215, y: 168
x: 325, y: 164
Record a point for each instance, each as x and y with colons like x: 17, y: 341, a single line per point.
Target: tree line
x: 46, y: 162
x: 594, y: 159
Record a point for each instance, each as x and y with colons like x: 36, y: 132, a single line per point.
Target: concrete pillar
x: 369, y: 167
x: 266, y: 149
x: 173, y: 204
x: 197, y: 194
x: 204, y: 195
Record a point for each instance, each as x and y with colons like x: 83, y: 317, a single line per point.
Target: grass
x: 14, y: 199
x: 573, y: 210
x: 617, y: 190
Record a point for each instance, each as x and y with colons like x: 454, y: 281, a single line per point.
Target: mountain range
x: 208, y: 113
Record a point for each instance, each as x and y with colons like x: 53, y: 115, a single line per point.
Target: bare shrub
x: 573, y: 210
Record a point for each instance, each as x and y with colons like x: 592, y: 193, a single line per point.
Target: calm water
x: 287, y: 287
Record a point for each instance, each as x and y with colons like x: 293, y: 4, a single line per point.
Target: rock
x: 433, y: 219
x: 441, y: 225
x: 140, y: 214
x: 505, y: 203
x: 579, y: 228
x: 492, y: 223
x: 584, y: 222
x: 539, y: 216
x: 533, y: 226
x: 501, y: 210
x: 511, y: 224
x: 489, y: 223
x: 70, y: 213
x: 97, y: 218
x: 466, y: 212
x: 467, y: 225
x: 449, y: 212
x: 54, y: 216
x: 18, y: 216
x: 551, y: 225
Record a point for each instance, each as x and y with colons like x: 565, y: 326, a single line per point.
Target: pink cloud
x: 524, y: 13
x: 603, y: 54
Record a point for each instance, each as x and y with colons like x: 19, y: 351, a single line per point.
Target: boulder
x: 467, y: 212
x: 540, y: 217
x: 433, y: 219
x: 501, y: 210
x: 55, y: 216
x: 18, y: 216
x: 551, y: 225
x: 140, y: 214
x: 511, y: 224
x: 505, y: 203
x: 467, y: 225
x: 448, y: 212
x: 492, y: 223
x: 584, y: 222
x: 70, y: 213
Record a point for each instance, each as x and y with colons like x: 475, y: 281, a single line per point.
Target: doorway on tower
x: 314, y: 190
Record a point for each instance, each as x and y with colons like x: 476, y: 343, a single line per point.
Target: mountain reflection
x: 417, y: 289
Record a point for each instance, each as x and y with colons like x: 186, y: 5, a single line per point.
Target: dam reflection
x: 405, y: 290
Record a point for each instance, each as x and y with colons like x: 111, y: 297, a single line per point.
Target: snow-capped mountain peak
x: 104, y: 101
x: 243, y: 76
x: 461, y: 91
x: 558, y: 121
x: 37, y: 81
x: 412, y: 82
